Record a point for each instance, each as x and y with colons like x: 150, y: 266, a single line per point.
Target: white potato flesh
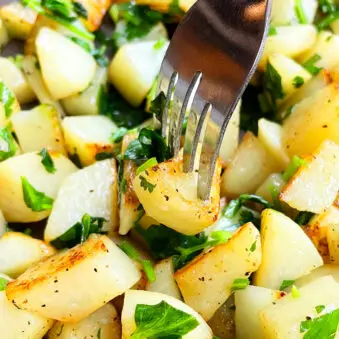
x: 248, y: 303
x: 4, y: 39
x: 249, y: 167
x: 104, y: 321
x: 291, y: 41
x: 88, y: 135
x: 273, y: 183
x: 305, y: 129
x: 326, y: 47
x: 34, y: 78
x: 133, y: 298
x: 284, y: 12
x: 165, y: 282
x: 92, y: 190
x: 63, y: 77
x: 282, y: 320
x: 16, y: 81
x: 333, y: 243
x: 39, y: 128
x: 3, y: 224
x: 170, y: 196
x: 289, y: 71
x: 25, y: 251
x: 206, y: 282
x: 16, y: 323
x: 269, y: 134
x: 141, y: 63
x: 315, y: 185
x: 322, y: 271
x: 85, y: 277
x: 13, y: 106
x: 19, y: 20
x: 29, y: 165
x: 281, y: 262
x: 87, y: 102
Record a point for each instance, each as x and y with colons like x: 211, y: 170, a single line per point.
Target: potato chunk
x: 320, y: 272
x: 63, y: 77
x: 104, y: 321
x: 24, y: 251
x: 206, y: 282
x: 283, y: 319
x: 170, y: 196
x: 3, y: 35
x: 281, y: 261
x: 92, y: 190
x: 74, y: 283
x: 39, y: 128
x: 88, y: 136
x: 29, y: 165
x: 133, y: 298
x: 315, y: 185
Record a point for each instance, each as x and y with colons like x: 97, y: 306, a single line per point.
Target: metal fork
x: 210, y: 60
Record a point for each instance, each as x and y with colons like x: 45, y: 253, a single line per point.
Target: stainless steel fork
x: 210, y: 60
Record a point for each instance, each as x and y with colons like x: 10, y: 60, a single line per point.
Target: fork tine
x: 177, y: 118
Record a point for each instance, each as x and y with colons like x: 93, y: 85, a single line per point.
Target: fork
x: 210, y: 61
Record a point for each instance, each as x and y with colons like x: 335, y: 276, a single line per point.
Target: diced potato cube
x: 3, y: 35
x: 248, y: 303
x: 8, y: 107
x: 141, y: 63
x: 3, y: 224
x: 269, y: 134
x: 87, y: 102
x: 305, y: 129
x: 133, y: 298
x: 291, y: 41
x: 63, y: 78
x: 165, y: 282
x: 15, y: 323
x: 39, y: 128
x: 249, y: 167
x: 104, y: 321
x: 333, y: 243
x: 16, y: 81
x: 315, y: 185
x: 320, y: 272
x: 88, y: 136
x: 74, y: 283
x: 170, y: 196
x: 24, y: 251
x: 283, y: 319
x: 29, y: 166
x: 92, y: 190
x: 206, y: 282
x: 273, y: 183
x: 279, y: 261
x: 19, y: 20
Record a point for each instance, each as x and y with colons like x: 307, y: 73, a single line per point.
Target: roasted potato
x: 4, y: 39
x: 9, y: 104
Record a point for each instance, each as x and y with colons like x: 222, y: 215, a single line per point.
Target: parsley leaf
x: 326, y: 21
x: 320, y: 308
x: 80, y: 10
x: 293, y: 167
x: 47, y: 161
x: 149, y: 163
x: 240, y: 284
x: 272, y: 31
x: 303, y: 218
x: 99, y: 333
x: 103, y: 156
x: 162, y: 321
x: 8, y: 147
x: 324, y: 327
x: 3, y: 283
x: 146, y: 185
x: 300, y: 12
x: 35, y: 200
x: 148, y: 145
x: 134, y: 254
x: 295, y: 292
x: 7, y: 99
x: 119, y: 134
x: 310, y: 64
x: 298, y: 81
x: 285, y: 284
x: 60, y: 8
x: 327, y: 6
x: 79, y: 232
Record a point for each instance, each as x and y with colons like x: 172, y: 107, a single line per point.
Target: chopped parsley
x: 162, y: 321
x: 99, y: 333
x: 285, y: 284
x: 75, y: 159
x: 240, y: 284
x: 147, y: 186
x: 159, y: 44
x: 295, y: 292
x: 298, y: 81
x: 292, y: 168
x: 272, y: 31
x: 35, y: 200
x: 147, y: 266
x: 3, y: 283
x: 253, y: 246
x: 7, y: 99
x: 320, y: 308
x: 119, y: 134
x: 324, y: 327
x: 272, y: 84
x: 326, y: 21
x: 103, y: 156
x: 79, y: 232
x: 310, y: 64
x: 327, y: 6
x: 303, y: 218
x: 300, y: 12
x: 47, y: 161
x: 149, y: 163
x: 8, y: 147
x: 80, y: 10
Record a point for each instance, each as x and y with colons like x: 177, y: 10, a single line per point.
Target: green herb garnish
x: 47, y: 161
x: 303, y: 218
x: 149, y: 163
x: 7, y: 99
x: 285, y: 284
x: 3, y: 283
x: 103, y: 156
x: 293, y: 167
x: 8, y: 147
x: 320, y: 308
x: 240, y: 284
x: 300, y: 13
x: 310, y: 64
x: 147, y: 186
x: 295, y: 292
x: 272, y: 31
x: 298, y: 81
